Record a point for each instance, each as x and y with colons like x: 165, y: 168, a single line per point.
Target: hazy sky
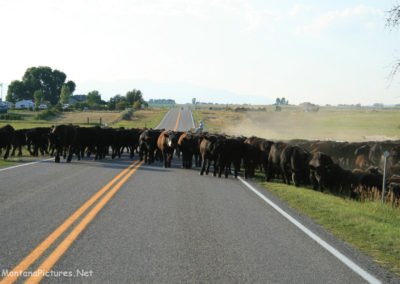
x: 319, y: 51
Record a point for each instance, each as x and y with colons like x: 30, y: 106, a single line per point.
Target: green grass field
x: 141, y: 118
x: 373, y: 228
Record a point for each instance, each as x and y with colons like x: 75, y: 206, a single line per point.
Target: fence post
x: 386, y: 155
x: 88, y: 120
x: 100, y: 121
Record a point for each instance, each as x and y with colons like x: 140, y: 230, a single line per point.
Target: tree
x: 134, y: 96
x: 65, y: 94
x: 194, y: 101
x: 114, y: 100
x: 122, y: 105
x: 93, y: 97
x: 137, y: 105
x: 16, y: 91
x: 39, y: 78
x: 43, y: 77
x: 38, y: 97
x: 393, y: 21
x: 71, y: 85
x: 278, y: 101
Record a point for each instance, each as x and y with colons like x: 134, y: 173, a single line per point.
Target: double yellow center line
x: 45, y: 267
x: 177, y: 121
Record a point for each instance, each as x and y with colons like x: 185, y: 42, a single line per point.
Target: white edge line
x: 26, y: 164
x: 191, y: 114
x: 364, y: 274
x: 162, y: 120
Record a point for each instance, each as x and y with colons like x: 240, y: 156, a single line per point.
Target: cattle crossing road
x: 121, y: 221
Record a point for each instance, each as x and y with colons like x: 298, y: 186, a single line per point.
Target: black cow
x: 256, y: 151
x: 229, y: 151
x: 125, y: 138
x: 274, y: 161
x: 38, y: 138
x: 187, y: 145
x: 19, y: 140
x: 319, y: 165
x: 64, y: 139
x: 208, y: 151
x: 6, y: 137
x: 294, y: 165
x: 148, y: 144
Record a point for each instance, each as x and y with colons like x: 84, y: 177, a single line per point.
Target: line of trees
x: 43, y: 84
x: 39, y: 84
x: 281, y: 101
x: 132, y: 99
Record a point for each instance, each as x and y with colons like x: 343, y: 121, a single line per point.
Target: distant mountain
x: 180, y: 92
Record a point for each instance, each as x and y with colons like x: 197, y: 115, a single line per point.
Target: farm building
x: 24, y: 104
x: 76, y: 98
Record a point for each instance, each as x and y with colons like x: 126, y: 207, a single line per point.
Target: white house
x: 24, y: 104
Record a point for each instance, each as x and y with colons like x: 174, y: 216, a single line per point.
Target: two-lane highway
x: 177, y: 119
x: 130, y: 222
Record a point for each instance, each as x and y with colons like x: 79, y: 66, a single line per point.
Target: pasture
x: 329, y: 123
x: 141, y: 118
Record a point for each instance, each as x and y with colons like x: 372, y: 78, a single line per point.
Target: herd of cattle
x: 343, y: 168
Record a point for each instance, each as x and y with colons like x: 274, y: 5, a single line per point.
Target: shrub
x: 46, y: 114
x: 127, y: 114
x: 11, y: 116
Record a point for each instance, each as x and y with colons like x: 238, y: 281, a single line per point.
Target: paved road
x: 160, y: 226
x: 170, y: 121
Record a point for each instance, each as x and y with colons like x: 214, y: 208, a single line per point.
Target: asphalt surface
x: 163, y: 226
x: 169, y: 122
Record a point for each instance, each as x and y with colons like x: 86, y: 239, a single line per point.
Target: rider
x: 201, y: 125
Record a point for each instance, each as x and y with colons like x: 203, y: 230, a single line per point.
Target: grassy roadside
x: 140, y: 119
x: 25, y: 158
x: 372, y: 228
x: 7, y: 163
